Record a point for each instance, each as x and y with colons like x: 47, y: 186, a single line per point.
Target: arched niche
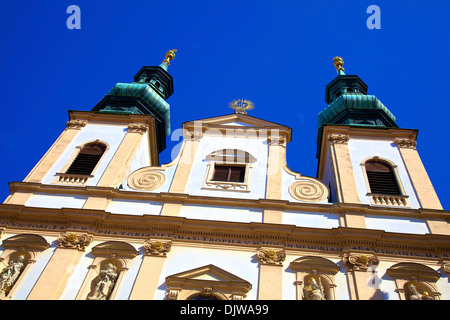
x: 415, y: 281
x: 315, y: 278
x: 21, y: 252
x: 110, y: 264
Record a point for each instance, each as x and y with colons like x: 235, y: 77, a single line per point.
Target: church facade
x: 99, y: 218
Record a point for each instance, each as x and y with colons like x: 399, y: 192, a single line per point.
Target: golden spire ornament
x: 241, y: 106
x: 338, y: 63
x: 170, y: 55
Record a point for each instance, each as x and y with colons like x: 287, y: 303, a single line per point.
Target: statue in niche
x: 104, y: 282
x: 416, y: 295
x: 10, y: 274
x: 315, y: 290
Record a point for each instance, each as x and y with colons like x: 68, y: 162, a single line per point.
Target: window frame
x: 218, y: 158
x: 384, y: 199
x: 74, y: 178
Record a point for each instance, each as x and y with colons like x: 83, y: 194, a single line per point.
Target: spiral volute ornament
x: 146, y: 179
x: 308, y: 190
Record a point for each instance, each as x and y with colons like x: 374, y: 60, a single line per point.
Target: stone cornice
x: 338, y: 240
x: 163, y: 197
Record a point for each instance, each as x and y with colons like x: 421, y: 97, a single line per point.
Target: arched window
x: 87, y: 159
x: 382, y: 179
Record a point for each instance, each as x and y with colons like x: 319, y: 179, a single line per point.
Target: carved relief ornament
x: 338, y: 138
x: 157, y: 247
x: 406, y: 143
x: 277, y: 140
x: 76, y: 124
x: 73, y: 240
x: 138, y: 128
x: 359, y: 262
x: 271, y: 256
x: 308, y: 190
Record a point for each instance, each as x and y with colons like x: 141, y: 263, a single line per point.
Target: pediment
x: 207, y: 273
x: 238, y: 120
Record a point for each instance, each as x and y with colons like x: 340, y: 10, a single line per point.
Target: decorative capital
x: 272, y: 256
x: 172, y: 294
x: 73, y: 240
x: 338, y: 138
x: 138, y: 128
x: 277, y: 141
x: 446, y: 267
x: 157, y: 247
x: 406, y: 143
x: 76, y: 124
x: 359, y: 262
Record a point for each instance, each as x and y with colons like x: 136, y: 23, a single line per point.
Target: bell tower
x: 364, y: 156
x: 126, y: 130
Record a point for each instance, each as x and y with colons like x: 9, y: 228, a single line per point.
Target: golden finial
x: 241, y: 106
x: 338, y: 63
x: 170, y: 55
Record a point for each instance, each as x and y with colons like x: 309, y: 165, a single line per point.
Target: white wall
x: 231, y: 214
x: 311, y: 219
x: 56, y: 201
x: 257, y: 147
x: 396, y: 224
x: 134, y: 207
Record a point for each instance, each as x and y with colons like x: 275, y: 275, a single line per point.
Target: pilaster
x: 54, y: 278
x: 271, y: 273
x: 147, y: 279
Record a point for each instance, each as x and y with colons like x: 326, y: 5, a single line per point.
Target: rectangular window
x: 229, y: 173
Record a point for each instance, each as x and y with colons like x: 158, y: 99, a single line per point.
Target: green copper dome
x: 356, y: 109
x: 147, y: 94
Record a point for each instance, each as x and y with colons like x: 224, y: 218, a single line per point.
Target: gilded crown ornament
x: 338, y: 63
x: 170, y: 55
x: 241, y: 106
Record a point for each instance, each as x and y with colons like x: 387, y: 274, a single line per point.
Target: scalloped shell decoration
x: 308, y: 191
x: 146, y: 179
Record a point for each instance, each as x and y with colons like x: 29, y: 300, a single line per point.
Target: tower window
x: 87, y: 159
x: 381, y: 178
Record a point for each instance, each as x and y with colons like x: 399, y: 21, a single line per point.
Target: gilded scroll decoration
x: 157, y: 247
x: 360, y: 262
x: 271, y: 256
x: 73, y: 240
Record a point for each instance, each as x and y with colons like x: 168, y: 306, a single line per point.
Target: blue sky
x: 277, y: 54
